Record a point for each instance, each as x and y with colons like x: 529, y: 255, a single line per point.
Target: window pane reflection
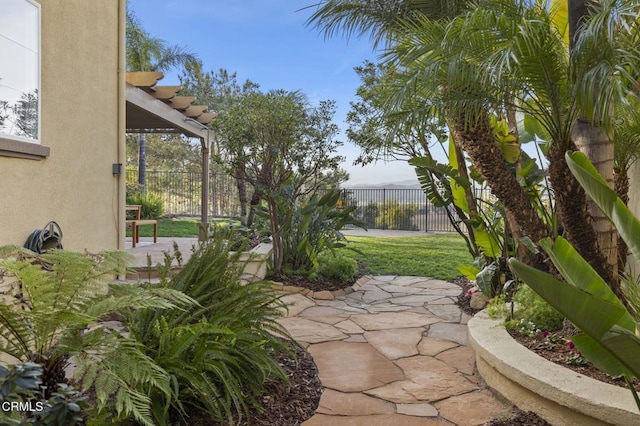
x: 19, y: 76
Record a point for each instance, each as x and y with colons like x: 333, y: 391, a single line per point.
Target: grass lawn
x: 431, y: 255
x: 177, y: 228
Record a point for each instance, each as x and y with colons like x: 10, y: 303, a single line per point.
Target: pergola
x: 159, y: 109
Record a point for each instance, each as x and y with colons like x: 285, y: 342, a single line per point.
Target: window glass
x: 20, y: 70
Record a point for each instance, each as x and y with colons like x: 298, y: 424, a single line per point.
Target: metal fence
x: 182, y: 192
x: 400, y: 209
x: 379, y: 208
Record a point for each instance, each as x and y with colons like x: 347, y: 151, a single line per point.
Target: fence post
x: 384, y: 209
x: 426, y: 213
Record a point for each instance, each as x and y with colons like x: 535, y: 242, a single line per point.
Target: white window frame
x: 20, y: 146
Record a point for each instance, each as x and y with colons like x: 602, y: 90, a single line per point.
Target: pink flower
x: 469, y: 292
x: 486, y: 302
x: 571, y: 345
x: 545, y: 333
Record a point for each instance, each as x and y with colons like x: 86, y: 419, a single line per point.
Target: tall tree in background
x: 147, y: 53
x: 220, y: 90
x: 283, y: 143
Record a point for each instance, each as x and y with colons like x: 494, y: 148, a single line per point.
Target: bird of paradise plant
x: 609, y: 337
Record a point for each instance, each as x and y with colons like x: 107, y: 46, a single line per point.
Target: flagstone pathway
x: 392, y: 351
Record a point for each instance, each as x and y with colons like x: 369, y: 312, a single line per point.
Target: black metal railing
x: 182, y: 192
x: 378, y: 208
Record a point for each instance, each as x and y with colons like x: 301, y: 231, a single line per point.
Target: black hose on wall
x: 47, y: 238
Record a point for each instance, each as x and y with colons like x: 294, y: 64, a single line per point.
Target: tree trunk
x: 621, y: 185
x: 241, y: 185
x: 571, y: 203
x: 275, y: 236
x: 142, y: 162
x: 479, y: 142
x: 595, y: 144
x: 255, y: 200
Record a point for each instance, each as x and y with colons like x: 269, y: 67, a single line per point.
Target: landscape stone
x: 352, y: 404
x: 471, y: 409
x: 448, y: 331
x: 321, y: 311
x: 388, y: 320
x: 420, y: 410
x: 305, y: 330
x: 392, y: 352
x: 461, y: 358
x: 384, y: 278
x: 394, y: 392
x: 395, y: 343
x: 394, y: 288
x: 323, y: 295
x: 386, y: 307
x: 349, y: 327
x: 352, y: 367
x: 431, y: 347
x: 296, y: 303
x: 478, y: 300
x: 449, y: 313
x: 375, y: 420
x: 429, y: 379
x: 411, y: 300
x: 375, y: 294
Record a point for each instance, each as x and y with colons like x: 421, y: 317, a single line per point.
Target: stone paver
x: 352, y: 404
x: 393, y: 351
x: 395, y: 343
x: 353, y: 367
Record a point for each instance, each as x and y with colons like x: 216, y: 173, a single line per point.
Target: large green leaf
x: 625, y: 345
x: 468, y: 271
x: 589, y: 313
x: 579, y: 273
x: 486, y: 241
x: 599, y: 355
x: 559, y: 13
x: 458, y: 191
x: 598, y: 190
x: 484, y: 279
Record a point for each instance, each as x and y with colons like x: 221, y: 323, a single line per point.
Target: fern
x: 50, y: 314
x: 217, y: 353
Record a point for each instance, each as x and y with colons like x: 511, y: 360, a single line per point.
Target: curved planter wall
x: 557, y: 394
x: 253, y: 263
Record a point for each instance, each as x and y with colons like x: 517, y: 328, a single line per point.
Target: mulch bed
x: 284, y: 405
x: 303, y: 281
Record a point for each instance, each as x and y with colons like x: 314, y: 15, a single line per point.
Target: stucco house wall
x: 81, y: 106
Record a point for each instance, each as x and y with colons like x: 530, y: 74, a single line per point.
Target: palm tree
x: 381, y: 19
x: 509, y: 56
x: 147, y: 53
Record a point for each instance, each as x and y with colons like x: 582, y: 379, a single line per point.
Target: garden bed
x: 531, y: 382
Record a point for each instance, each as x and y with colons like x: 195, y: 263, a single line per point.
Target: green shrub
x: 534, y: 309
x: 57, y: 301
x: 394, y: 215
x: 334, y: 266
x: 152, y: 205
x: 216, y: 353
x: 311, y: 228
x: 368, y: 214
x: 22, y: 383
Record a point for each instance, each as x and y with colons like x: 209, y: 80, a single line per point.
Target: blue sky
x: 267, y: 41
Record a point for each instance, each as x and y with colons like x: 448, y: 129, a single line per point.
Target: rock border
x: 324, y: 294
x: 532, y: 383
